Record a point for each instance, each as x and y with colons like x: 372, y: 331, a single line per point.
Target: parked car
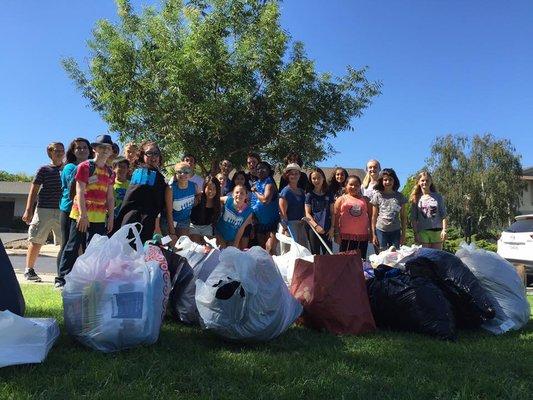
x: 516, y: 243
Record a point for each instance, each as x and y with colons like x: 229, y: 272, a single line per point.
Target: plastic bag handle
x: 123, y: 232
x: 284, y: 238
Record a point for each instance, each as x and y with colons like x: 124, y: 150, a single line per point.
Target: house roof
x: 7, y: 188
x: 528, y: 172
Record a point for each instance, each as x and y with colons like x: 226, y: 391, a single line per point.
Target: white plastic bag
x: 112, y: 298
x: 203, y: 261
x: 393, y: 257
x: 245, y: 297
x: 25, y: 340
x: 500, y: 279
x: 285, y: 263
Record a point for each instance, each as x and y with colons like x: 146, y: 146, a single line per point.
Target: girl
x: 183, y: 197
x: 291, y: 207
x: 235, y: 218
x: 319, y: 209
x: 225, y: 184
x: 371, y: 179
x: 428, y: 213
x: 78, y: 151
x: 264, y: 202
x: 240, y: 178
x: 131, y: 152
x: 148, y: 194
x: 388, y: 211
x: 205, y: 214
x: 337, y: 181
x: 352, y: 219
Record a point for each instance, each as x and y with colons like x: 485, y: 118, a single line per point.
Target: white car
x: 516, y: 242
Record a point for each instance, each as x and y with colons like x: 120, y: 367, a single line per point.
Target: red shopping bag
x: 333, y: 293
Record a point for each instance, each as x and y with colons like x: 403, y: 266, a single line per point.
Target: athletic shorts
x: 430, y: 236
x: 44, y: 221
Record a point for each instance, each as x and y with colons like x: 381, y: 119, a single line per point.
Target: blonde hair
x: 416, y: 193
x: 181, y: 164
x: 368, y: 178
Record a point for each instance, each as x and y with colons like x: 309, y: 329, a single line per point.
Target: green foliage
x: 17, y: 177
x: 187, y: 363
x: 478, y: 177
x: 216, y: 78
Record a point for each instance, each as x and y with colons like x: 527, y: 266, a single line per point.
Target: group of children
x: 97, y: 191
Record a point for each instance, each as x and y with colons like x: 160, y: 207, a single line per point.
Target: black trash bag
x: 10, y: 294
x: 471, y: 303
x: 411, y: 304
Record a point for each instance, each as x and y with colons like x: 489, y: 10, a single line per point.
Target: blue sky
x: 446, y: 66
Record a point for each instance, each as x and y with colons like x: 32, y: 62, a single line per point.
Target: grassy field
x: 188, y: 363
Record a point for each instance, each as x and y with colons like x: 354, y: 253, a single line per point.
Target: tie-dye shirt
x: 95, y: 191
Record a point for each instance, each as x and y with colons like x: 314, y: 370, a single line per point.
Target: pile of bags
x: 115, y: 297
x: 433, y: 292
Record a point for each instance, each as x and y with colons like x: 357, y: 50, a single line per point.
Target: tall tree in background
x: 479, y: 177
x: 215, y: 78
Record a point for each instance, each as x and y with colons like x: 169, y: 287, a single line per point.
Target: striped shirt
x: 95, y: 192
x: 48, y: 176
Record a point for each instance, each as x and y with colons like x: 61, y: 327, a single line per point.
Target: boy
x: 46, y: 187
x: 93, y: 205
x: 121, y: 168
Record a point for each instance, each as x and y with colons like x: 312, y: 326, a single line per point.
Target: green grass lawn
x: 189, y: 363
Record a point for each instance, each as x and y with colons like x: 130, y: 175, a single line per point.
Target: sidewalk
x: 45, y: 267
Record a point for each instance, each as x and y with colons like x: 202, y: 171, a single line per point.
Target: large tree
x: 215, y: 78
x: 479, y: 177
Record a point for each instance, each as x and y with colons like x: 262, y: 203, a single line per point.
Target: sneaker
x: 30, y: 275
x: 59, y: 286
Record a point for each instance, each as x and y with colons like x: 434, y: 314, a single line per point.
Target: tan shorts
x: 45, y: 220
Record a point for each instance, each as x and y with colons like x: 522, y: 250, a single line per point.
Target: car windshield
x: 525, y: 225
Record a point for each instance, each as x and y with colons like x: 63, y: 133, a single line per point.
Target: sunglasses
x: 152, y: 154
x: 183, y: 171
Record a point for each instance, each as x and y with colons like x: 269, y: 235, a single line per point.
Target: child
x: 371, y: 179
x: 93, y: 205
x: 319, y: 209
x: 148, y: 195
x: 121, y: 168
x: 225, y: 184
x: 352, y: 221
x: 183, y: 197
x: 264, y: 201
x: 131, y: 152
x: 337, y: 181
x: 428, y: 213
x: 206, y: 213
x: 46, y: 189
x: 389, y: 220
x: 235, y: 219
x: 78, y: 151
x: 291, y: 207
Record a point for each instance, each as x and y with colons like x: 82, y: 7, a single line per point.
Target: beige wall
x: 527, y: 199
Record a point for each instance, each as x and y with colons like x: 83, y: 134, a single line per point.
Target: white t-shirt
x: 199, y: 181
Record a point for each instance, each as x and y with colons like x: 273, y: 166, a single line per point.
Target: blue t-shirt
x: 67, y: 175
x: 266, y: 214
x: 227, y: 188
x: 182, y: 201
x: 320, y: 208
x: 295, y: 203
x: 231, y: 220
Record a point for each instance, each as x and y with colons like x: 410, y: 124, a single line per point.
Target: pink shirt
x: 353, y: 218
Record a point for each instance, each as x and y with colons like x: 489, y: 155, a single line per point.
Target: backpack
x: 92, y: 169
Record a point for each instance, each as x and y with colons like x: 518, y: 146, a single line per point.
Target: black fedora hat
x: 102, y: 139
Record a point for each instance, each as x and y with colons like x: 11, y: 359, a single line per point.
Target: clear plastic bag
x: 112, y: 298
x: 500, y: 279
x: 245, y: 297
x: 393, y: 257
x: 285, y: 263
